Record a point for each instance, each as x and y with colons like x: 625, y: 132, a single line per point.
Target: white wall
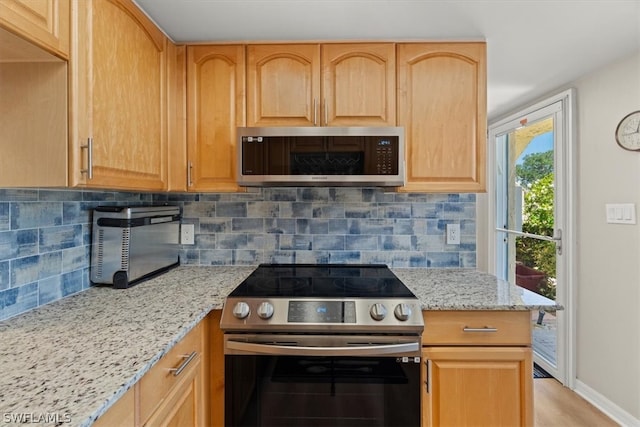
x: 608, y: 282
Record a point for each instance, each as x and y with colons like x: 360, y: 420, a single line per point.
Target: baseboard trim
x: 609, y: 408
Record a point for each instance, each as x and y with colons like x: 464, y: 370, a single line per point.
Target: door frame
x: 486, y: 214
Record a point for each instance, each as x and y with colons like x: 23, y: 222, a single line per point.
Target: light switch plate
x: 187, y: 232
x: 621, y: 213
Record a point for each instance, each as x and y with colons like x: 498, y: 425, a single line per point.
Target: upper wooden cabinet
x: 118, y: 108
x: 359, y: 84
x: 283, y: 85
x: 442, y: 106
x: 215, y: 107
x: 34, y: 46
x: 321, y: 85
x: 44, y: 23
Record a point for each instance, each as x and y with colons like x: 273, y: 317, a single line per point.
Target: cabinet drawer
x: 156, y: 384
x: 476, y: 328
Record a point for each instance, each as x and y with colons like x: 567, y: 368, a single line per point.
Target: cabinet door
x: 467, y: 386
x: 215, y: 107
x: 442, y: 105
x: 118, y: 87
x: 45, y: 23
x: 358, y: 85
x: 121, y: 414
x: 283, y: 85
x: 183, y: 407
x: 172, y: 392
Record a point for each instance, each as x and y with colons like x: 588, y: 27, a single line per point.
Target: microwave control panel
x: 385, y: 154
x: 384, y: 157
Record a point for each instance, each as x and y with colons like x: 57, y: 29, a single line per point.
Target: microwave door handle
x: 287, y: 350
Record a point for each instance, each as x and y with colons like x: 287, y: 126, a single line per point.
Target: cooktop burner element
x: 341, y: 298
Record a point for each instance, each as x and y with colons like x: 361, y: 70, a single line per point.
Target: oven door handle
x: 288, y: 350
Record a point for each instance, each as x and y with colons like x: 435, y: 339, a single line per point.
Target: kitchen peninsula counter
x: 69, y: 361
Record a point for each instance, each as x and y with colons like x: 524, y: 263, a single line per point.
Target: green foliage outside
x: 535, y: 174
x: 534, y: 167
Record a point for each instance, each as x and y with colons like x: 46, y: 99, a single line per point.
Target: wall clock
x: 628, y: 132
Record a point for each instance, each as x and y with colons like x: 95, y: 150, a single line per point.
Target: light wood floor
x: 556, y: 405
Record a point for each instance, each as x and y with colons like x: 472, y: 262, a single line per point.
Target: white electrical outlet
x: 453, y: 234
x: 187, y: 232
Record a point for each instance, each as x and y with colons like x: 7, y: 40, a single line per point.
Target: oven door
x: 289, y: 380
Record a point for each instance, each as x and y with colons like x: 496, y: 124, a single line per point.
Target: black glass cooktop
x: 322, y: 280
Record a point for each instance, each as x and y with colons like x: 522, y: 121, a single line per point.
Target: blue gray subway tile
x: 35, y: 214
x: 18, y: 300
x: 5, y: 222
x: 58, y: 238
x: 4, y: 275
x: 34, y: 268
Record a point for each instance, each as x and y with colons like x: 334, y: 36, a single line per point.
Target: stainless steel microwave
x: 321, y: 156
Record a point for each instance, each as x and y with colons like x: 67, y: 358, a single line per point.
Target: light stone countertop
x: 468, y: 289
x: 72, y: 359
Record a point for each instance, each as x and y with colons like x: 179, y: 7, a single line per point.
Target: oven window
x: 321, y: 391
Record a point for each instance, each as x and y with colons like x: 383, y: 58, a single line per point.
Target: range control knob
x: 402, y: 312
x: 378, y: 311
x: 241, y: 310
x: 265, y: 310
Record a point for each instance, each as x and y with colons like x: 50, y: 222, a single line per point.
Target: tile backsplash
x: 45, y: 240
x: 323, y: 225
x: 45, y: 234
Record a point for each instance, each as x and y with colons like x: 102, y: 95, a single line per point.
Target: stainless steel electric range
x: 322, y: 345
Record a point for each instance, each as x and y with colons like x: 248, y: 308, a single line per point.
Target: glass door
x: 530, y: 187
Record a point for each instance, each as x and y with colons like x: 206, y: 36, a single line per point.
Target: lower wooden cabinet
x: 468, y: 380
x: 183, y: 405
x: 121, y: 414
x: 178, y: 372
x: 172, y: 393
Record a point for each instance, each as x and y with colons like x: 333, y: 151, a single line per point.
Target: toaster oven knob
x: 378, y: 311
x: 265, y: 310
x: 241, y: 310
x: 402, y: 312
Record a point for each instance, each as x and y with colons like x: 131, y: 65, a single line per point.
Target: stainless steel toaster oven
x: 133, y: 243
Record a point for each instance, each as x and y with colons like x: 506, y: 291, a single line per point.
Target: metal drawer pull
x: 485, y: 329
x: 187, y: 359
x: 89, y: 169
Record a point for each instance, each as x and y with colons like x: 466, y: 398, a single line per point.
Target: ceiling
x: 533, y: 46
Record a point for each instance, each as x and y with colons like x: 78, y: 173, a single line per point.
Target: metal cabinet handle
x: 485, y: 329
x: 315, y: 112
x: 189, y: 170
x: 326, y: 113
x: 427, y: 377
x: 89, y: 169
x: 187, y: 359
